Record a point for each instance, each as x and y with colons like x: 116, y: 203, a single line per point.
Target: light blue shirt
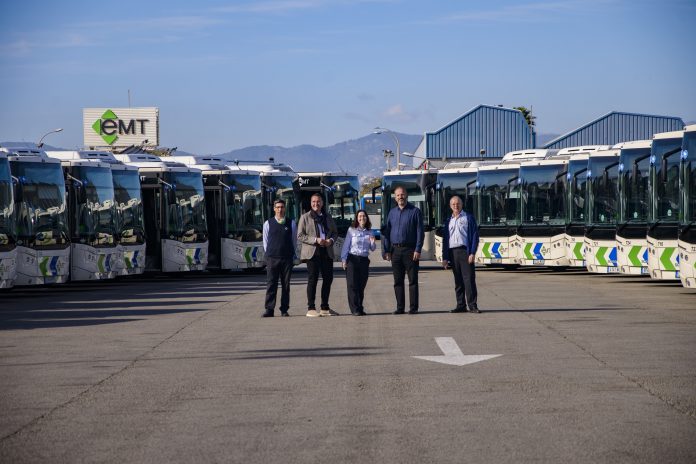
x: 357, y: 243
x: 458, y: 227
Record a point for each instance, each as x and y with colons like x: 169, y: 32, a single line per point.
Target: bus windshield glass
x: 577, y: 190
x: 244, y: 218
x: 603, y: 195
x: 416, y: 186
x: 345, y: 191
x: 186, y: 212
x: 634, y: 166
x: 7, y: 227
x: 665, y: 180
x: 281, y: 188
x: 42, y: 219
x: 95, y: 212
x: 689, y: 177
x: 498, y: 194
x: 130, y: 225
x: 543, y: 194
x: 462, y: 184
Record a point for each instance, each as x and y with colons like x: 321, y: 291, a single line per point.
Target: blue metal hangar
x: 483, y: 132
x: 491, y: 131
x: 616, y: 127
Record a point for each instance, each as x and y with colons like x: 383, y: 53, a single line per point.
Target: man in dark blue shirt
x: 401, y: 244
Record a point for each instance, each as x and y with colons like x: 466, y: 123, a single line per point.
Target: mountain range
x: 363, y: 156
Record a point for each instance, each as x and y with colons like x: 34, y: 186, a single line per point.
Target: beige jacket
x: 307, y: 233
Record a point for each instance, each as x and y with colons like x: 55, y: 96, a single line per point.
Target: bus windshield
x: 244, y: 218
x: 42, y: 219
x: 543, y: 194
x: 130, y: 221
x: 7, y: 223
x: 462, y: 184
x: 577, y: 190
x: 345, y: 191
x: 498, y: 195
x: 95, y: 212
x: 281, y: 188
x: 186, y: 213
x: 689, y: 178
x: 603, y: 189
x: 665, y: 180
x: 416, y: 186
x: 634, y: 169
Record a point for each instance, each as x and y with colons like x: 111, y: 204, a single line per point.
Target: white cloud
x: 397, y: 113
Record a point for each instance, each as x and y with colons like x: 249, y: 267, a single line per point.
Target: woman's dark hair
x: 368, y: 224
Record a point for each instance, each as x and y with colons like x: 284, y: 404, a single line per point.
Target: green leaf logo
x: 97, y: 126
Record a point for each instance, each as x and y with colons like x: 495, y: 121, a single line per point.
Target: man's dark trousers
x: 320, y: 263
x: 357, y: 273
x: 278, y: 268
x: 402, y: 264
x: 464, y: 278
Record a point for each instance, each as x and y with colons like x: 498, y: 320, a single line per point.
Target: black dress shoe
x: 474, y: 310
x: 459, y: 310
x: 362, y: 313
x: 413, y: 311
x: 284, y: 314
x: 399, y: 311
x: 268, y: 313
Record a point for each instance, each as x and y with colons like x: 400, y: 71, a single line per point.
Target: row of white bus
x: 628, y: 208
x: 93, y: 215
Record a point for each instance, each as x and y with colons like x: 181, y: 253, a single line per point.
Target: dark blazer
x: 472, y: 237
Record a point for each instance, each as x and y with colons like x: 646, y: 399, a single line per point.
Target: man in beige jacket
x: 317, y: 233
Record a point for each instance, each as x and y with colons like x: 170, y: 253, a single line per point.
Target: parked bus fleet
x: 91, y: 215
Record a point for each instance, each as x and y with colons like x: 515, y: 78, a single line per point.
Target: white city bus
x: 234, y: 213
x: 602, y: 211
x: 663, y: 215
x: 340, y: 192
x: 632, y: 226
x: 420, y: 187
x: 687, y: 226
x: 43, y: 240
x: 8, y: 232
x: 498, y: 191
x: 130, y: 219
x: 458, y: 179
x: 173, y: 199
x: 91, y: 215
x: 576, y: 191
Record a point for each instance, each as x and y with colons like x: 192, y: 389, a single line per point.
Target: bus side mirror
x: 663, y: 170
x: 634, y: 172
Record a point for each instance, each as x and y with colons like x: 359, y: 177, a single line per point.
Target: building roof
x: 616, y: 127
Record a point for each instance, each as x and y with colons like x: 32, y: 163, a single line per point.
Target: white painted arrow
x: 453, y: 355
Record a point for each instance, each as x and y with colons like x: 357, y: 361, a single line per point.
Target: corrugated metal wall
x: 616, y: 127
x: 494, y: 129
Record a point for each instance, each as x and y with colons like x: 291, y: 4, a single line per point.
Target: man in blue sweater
x: 402, y: 243
x: 460, y: 240
x: 279, y: 238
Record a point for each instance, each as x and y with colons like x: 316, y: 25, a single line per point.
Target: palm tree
x: 527, y: 114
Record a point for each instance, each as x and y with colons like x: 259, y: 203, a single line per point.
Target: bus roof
x: 669, y: 135
x: 634, y: 144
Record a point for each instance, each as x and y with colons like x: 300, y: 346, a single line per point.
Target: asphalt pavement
x: 590, y: 368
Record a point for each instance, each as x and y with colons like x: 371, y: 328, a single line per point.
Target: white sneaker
x: 312, y: 313
x: 328, y: 312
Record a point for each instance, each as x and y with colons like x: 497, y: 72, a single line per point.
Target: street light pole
x: 40, y: 144
x: 382, y: 130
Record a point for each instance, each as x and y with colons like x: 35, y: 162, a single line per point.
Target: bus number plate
x: 538, y: 261
x: 496, y: 260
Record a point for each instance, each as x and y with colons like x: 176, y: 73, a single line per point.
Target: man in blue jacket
x: 402, y: 242
x: 460, y: 239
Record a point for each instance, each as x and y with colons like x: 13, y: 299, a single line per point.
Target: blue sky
x: 229, y: 74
